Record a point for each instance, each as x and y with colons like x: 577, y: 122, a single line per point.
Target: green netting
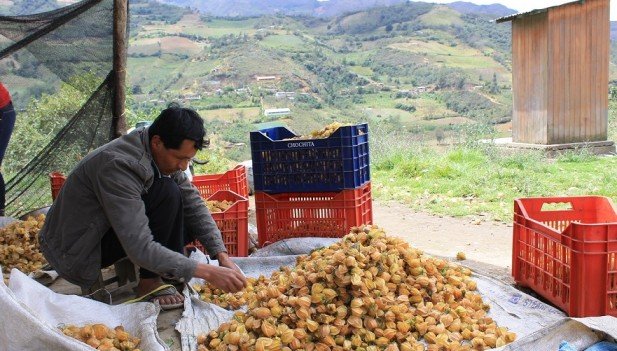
x: 58, y: 66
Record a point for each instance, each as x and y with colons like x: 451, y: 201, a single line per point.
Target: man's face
x: 172, y: 160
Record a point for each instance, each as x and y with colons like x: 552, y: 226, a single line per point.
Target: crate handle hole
x: 557, y: 206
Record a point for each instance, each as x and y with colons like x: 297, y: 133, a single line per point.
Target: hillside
x: 492, y: 10
x: 27, y: 7
x: 243, y: 8
x: 432, y: 72
x: 324, y: 8
x: 415, y: 67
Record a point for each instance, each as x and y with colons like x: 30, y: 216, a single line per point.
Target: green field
x: 285, y: 42
x: 442, y: 16
x: 459, y: 183
x: 153, y: 73
x: 360, y: 70
x: 231, y: 114
x: 451, y: 56
x: 193, y: 25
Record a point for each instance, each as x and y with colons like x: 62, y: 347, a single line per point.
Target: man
x: 131, y: 198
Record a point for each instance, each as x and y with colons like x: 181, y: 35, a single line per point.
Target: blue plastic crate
x: 338, y: 162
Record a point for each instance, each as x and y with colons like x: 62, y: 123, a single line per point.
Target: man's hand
x: 226, y: 279
x: 225, y: 261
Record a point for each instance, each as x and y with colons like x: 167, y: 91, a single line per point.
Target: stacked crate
x: 310, y: 187
x: 234, y: 180
x: 233, y: 222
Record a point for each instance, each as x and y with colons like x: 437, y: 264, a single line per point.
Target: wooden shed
x: 560, y: 67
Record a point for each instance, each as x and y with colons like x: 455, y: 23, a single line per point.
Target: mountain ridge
x: 329, y: 8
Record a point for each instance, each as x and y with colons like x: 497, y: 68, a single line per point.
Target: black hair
x: 175, y: 124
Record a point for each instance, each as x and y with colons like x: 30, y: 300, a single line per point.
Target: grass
x: 452, y: 56
x: 441, y: 16
x: 482, y: 180
x: 192, y: 25
x: 248, y: 23
x: 286, y: 42
x: 429, y: 111
x: 229, y: 114
x: 169, y: 45
x: 361, y: 70
x: 359, y: 56
x: 379, y: 100
x: 153, y: 72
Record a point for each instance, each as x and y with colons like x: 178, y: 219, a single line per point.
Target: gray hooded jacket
x: 104, y: 191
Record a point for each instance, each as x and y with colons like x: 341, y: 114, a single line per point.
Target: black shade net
x: 58, y: 66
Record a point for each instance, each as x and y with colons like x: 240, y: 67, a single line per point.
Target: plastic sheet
x: 32, y: 314
x: 510, y: 308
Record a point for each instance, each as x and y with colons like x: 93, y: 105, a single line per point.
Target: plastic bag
x: 32, y: 315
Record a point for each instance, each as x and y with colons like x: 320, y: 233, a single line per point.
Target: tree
x: 136, y: 89
x: 389, y: 28
x: 44, y: 117
x: 494, y: 86
x: 439, y: 135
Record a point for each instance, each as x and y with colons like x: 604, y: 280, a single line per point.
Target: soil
x: 486, y: 245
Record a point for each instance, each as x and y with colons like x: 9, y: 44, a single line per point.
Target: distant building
x: 191, y: 97
x: 285, y: 95
x: 260, y: 78
x: 273, y: 112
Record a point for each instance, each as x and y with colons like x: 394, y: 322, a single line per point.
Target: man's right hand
x: 226, y: 279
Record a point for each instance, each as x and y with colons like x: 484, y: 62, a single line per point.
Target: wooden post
x: 118, y: 124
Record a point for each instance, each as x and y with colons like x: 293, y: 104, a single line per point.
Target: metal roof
x: 533, y: 12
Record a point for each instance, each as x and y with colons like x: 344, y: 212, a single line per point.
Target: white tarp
x: 32, y: 313
x: 521, y: 313
x: 580, y: 333
x: 198, y: 316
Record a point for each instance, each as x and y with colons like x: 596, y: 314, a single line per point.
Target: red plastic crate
x: 327, y: 214
x: 234, y: 180
x: 233, y: 223
x: 565, y: 249
x: 57, y: 180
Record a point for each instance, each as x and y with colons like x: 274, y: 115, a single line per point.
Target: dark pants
x: 163, y: 204
x: 7, y: 122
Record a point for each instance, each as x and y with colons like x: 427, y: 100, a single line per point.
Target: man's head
x: 175, y: 136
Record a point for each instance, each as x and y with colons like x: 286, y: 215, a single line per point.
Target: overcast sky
x: 526, y: 5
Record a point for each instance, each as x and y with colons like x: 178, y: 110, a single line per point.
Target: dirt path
x: 486, y: 245
x: 487, y: 242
